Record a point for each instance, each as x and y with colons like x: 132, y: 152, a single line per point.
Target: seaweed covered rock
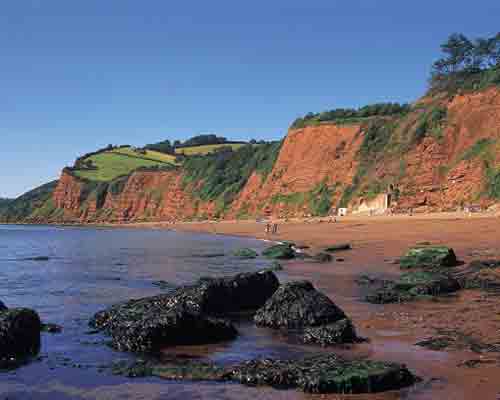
x: 457, y: 340
x: 339, y: 332
x: 298, y: 304
x: 282, y: 251
x: 185, y: 316
x: 324, y: 374
x: 412, y: 285
x: 429, y: 257
x: 481, y: 274
x: 19, y: 335
x: 338, y: 247
x: 245, y: 253
x: 143, y: 326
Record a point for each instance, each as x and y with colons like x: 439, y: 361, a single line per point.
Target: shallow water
x: 67, y: 274
x: 90, y: 269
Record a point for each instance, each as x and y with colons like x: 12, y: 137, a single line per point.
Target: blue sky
x: 77, y: 75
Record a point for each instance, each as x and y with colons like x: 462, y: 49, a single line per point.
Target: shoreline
x: 393, y: 329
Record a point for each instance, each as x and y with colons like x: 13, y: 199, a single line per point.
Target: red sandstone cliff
x: 435, y: 177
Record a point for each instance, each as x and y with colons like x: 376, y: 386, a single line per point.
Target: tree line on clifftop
x: 465, y: 65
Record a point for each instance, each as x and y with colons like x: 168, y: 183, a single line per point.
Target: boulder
x: 282, y: 251
x: 481, y: 274
x: 19, y: 335
x: 338, y: 247
x: 413, y: 285
x: 339, y: 332
x: 185, y: 316
x: 326, y: 373
x: 429, y: 257
x: 246, y: 253
x: 296, y: 305
x: 3, y: 307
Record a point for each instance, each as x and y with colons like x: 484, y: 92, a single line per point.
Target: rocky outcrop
x: 339, y: 332
x: 186, y: 315
x: 429, y: 257
x: 19, y: 335
x: 324, y: 374
x: 297, y: 305
x: 68, y: 193
x: 412, y: 286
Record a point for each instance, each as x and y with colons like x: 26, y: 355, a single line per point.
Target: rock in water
x: 246, y: 253
x: 412, y: 285
x: 19, y: 334
x: 3, y: 307
x: 339, y: 332
x: 325, y: 374
x: 185, y: 316
x: 429, y: 257
x: 298, y: 304
x: 280, y: 251
x: 338, y: 247
x: 481, y: 274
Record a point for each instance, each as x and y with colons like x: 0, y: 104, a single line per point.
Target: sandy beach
x: 394, y: 329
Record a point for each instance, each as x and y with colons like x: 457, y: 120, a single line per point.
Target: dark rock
x: 298, y: 304
x: 280, y: 251
x: 339, y: 332
x: 413, y: 285
x: 481, y: 274
x: 429, y: 257
x: 325, y: 374
x: 338, y: 247
x: 185, y: 316
x: 450, y: 338
x: 51, y: 328
x: 19, y: 335
x: 37, y: 258
x: 3, y: 307
x: 322, y: 258
x: 246, y: 253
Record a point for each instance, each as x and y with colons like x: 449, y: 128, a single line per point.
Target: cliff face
x: 309, y: 157
x: 439, y: 174
x: 144, y: 196
x: 438, y: 166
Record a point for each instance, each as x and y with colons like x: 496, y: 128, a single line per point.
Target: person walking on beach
x: 268, y: 228
x: 275, y: 228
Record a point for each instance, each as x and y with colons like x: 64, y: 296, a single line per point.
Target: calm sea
x: 67, y: 274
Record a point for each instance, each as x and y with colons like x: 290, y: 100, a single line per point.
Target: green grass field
x: 209, y: 148
x: 122, y: 161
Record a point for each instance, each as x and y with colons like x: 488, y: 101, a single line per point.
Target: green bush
x: 478, y: 149
x: 220, y: 176
x: 351, y: 115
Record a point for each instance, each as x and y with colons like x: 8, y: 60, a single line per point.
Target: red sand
x: 393, y: 329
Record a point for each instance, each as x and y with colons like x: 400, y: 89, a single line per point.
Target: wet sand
x: 394, y: 329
